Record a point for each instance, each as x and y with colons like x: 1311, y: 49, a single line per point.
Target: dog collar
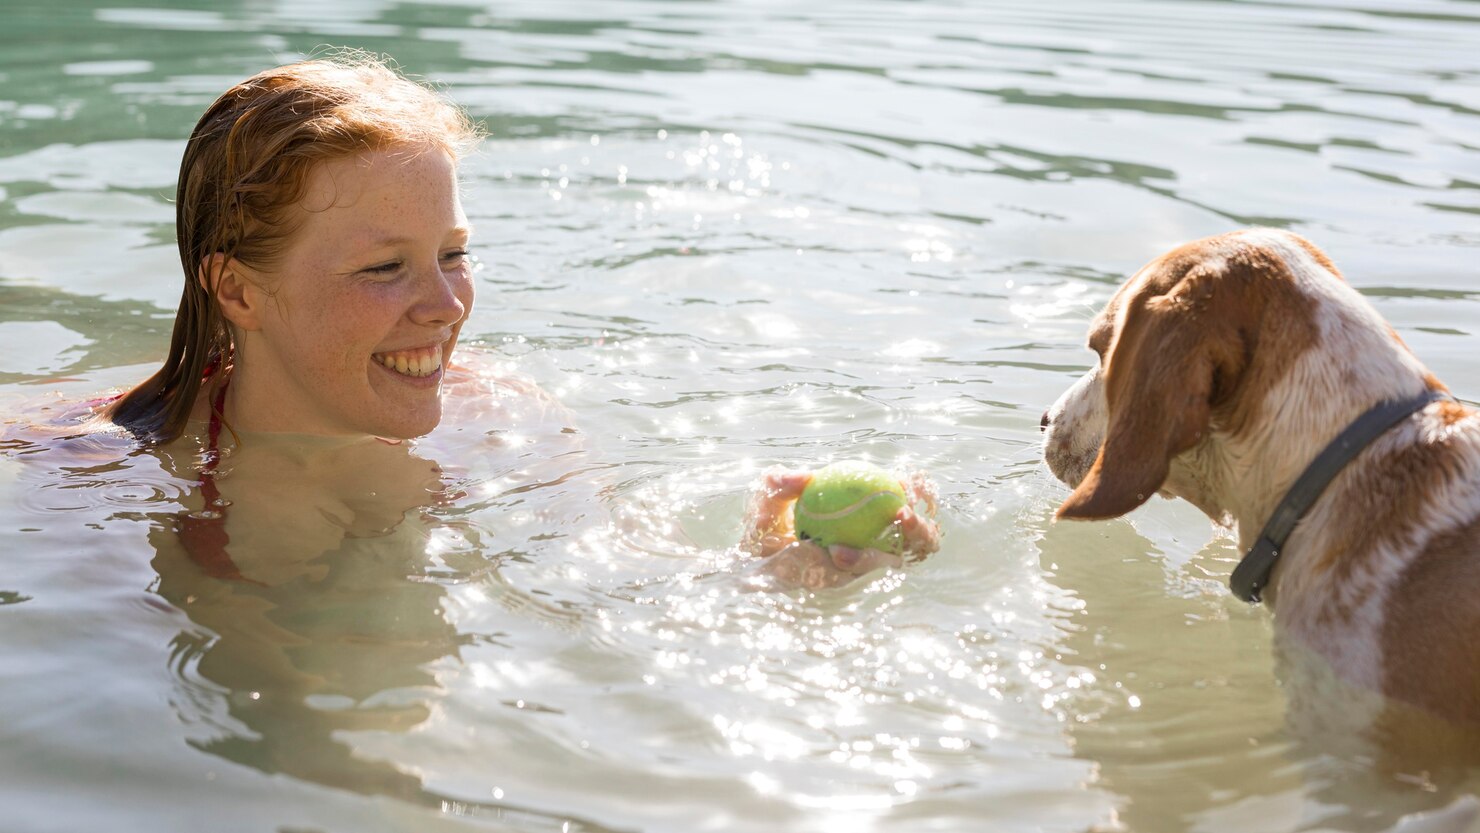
x: 1251, y: 575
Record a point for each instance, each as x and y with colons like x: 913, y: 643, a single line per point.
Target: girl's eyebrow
x: 393, y: 239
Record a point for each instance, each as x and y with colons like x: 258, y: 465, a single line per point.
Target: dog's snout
x: 1043, y: 423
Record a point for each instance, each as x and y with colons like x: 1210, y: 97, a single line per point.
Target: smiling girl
x: 327, y: 278
x: 324, y: 250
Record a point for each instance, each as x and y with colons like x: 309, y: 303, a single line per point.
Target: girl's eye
x: 455, y: 257
x: 389, y: 268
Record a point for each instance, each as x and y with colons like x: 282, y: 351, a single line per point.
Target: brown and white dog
x: 1226, y: 366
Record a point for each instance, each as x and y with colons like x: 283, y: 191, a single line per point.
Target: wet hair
x: 246, y: 164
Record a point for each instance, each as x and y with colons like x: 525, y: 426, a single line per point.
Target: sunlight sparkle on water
x: 913, y: 348
x: 443, y: 540
x: 1065, y: 299
x: 925, y: 251
x: 763, y: 783
x: 756, y: 738
x: 926, y: 243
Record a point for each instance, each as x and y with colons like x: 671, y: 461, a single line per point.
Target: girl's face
x: 361, y: 311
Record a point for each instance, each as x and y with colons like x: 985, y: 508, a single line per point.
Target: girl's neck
x: 242, y: 421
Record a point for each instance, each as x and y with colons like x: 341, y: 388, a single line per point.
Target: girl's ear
x: 239, y: 297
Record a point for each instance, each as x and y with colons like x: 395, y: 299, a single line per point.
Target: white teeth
x: 411, y: 365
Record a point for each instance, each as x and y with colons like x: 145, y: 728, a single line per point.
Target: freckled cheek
x: 354, y: 323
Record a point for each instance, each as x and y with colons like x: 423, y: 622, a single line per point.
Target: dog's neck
x: 1243, y: 478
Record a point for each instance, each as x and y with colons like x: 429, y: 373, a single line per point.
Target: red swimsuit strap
x: 204, y: 533
x: 213, y: 436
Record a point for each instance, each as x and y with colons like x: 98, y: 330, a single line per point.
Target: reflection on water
x: 343, y: 647
x: 277, y: 675
x: 724, y: 235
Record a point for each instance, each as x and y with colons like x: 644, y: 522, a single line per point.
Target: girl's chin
x: 410, y: 424
x: 397, y: 407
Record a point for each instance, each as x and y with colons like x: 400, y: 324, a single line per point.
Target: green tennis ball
x: 852, y: 504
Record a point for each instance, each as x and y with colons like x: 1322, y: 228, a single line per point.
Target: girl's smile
x: 417, y: 363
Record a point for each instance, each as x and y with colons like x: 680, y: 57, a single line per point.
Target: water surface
x: 724, y: 235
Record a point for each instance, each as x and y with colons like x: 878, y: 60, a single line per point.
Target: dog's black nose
x: 1043, y: 423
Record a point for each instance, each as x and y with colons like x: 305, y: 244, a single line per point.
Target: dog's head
x: 1190, y: 349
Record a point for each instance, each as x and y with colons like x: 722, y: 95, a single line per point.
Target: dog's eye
x: 1099, y: 340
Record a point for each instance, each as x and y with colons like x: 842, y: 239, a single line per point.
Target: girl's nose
x: 445, y: 297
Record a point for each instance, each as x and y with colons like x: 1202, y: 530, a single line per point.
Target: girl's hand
x: 921, y: 534
x: 768, y: 519
x: 769, y: 534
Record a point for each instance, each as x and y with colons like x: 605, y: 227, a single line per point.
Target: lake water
x: 725, y: 235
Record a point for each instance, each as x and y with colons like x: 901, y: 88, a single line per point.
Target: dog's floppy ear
x: 1169, y: 354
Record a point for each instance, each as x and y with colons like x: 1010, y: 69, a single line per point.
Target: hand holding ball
x: 854, y: 504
